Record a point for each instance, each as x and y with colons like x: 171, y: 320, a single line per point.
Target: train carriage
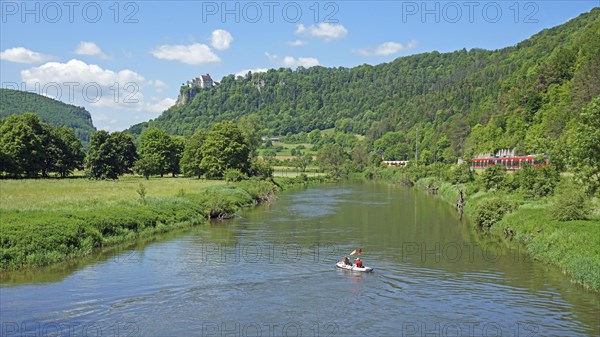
x: 511, y: 163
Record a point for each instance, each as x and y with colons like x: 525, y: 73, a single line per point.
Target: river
x: 271, y: 272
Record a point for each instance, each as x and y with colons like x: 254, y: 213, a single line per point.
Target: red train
x: 511, y: 163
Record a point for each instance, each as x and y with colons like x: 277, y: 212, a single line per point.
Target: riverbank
x: 52, y: 220
x: 573, y: 246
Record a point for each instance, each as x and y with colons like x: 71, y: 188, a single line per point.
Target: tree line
x: 30, y: 148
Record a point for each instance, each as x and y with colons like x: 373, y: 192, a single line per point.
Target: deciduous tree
x: 224, y: 148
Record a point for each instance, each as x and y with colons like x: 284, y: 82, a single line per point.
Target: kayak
x: 364, y: 269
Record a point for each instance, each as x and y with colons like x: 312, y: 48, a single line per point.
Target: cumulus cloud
x: 297, y: 43
x: 194, y: 54
x: 23, y: 55
x: 89, y: 49
x: 324, y: 30
x: 79, y: 83
x: 78, y: 71
x: 159, y: 85
x: 386, y: 49
x: 114, y: 98
x: 293, y: 62
x: 160, y: 105
x: 306, y: 62
x: 221, y: 39
x: 255, y: 70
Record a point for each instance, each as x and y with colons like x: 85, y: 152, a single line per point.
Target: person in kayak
x: 359, y: 262
x: 347, y: 261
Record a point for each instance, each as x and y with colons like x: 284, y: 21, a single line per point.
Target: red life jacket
x: 359, y: 263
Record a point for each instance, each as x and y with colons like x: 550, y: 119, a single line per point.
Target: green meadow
x: 52, y: 194
x: 51, y: 220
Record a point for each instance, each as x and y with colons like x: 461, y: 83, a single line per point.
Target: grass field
x: 38, y: 194
x: 50, y: 220
x: 287, y: 149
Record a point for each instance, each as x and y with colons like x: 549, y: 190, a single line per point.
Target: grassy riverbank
x: 573, y: 246
x: 47, y: 221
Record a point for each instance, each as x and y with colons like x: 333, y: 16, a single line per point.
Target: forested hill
x: 51, y: 111
x: 520, y: 96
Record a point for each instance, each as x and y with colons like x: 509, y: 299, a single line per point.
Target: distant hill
x: 522, y: 96
x: 49, y: 110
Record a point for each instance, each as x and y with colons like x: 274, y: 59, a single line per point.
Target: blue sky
x: 124, y: 61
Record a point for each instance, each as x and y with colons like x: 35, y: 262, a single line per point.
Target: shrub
x: 233, y: 175
x: 461, y: 174
x: 545, y: 182
x: 570, y: 202
x: 260, y: 190
x: 439, y: 170
x: 223, y: 201
x: 491, y: 211
x: 534, y: 183
x: 261, y: 169
x: 493, y: 177
x: 141, y: 191
x: 472, y: 188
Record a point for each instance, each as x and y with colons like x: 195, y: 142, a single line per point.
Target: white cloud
x: 23, y: 55
x: 255, y: 70
x: 291, y: 61
x: 159, y: 85
x: 324, y: 30
x: 78, y: 71
x: 88, y: 84
x: 271, y: 57
x: 89, y: 49
x: 221, y: 39
x: 194, y: 54
x: 297, y: 43
x: 79, y: 83
x: 386, y: 49
x: 306, y: 62
x: 160, y: 106
x: 114, y: 98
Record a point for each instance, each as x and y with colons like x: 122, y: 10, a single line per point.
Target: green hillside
x: 523, y: 96
x: 51, y: 111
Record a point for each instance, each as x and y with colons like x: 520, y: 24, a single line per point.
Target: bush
x: 439, y: 170
x: 461, y: 174
x: 493, y: 177
x: 234, y: 175
x: 261, y: 168
x: 570, y: 202
x: 260, y: 190
x: 545, y: 182
x: 491, y: 211
x: 222, y: 202
x: 532, y: 182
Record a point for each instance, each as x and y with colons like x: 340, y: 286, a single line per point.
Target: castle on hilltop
x: 193, y: 88
x: 202, y: 81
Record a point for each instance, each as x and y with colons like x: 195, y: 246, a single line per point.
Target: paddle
x: 354, y: 251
